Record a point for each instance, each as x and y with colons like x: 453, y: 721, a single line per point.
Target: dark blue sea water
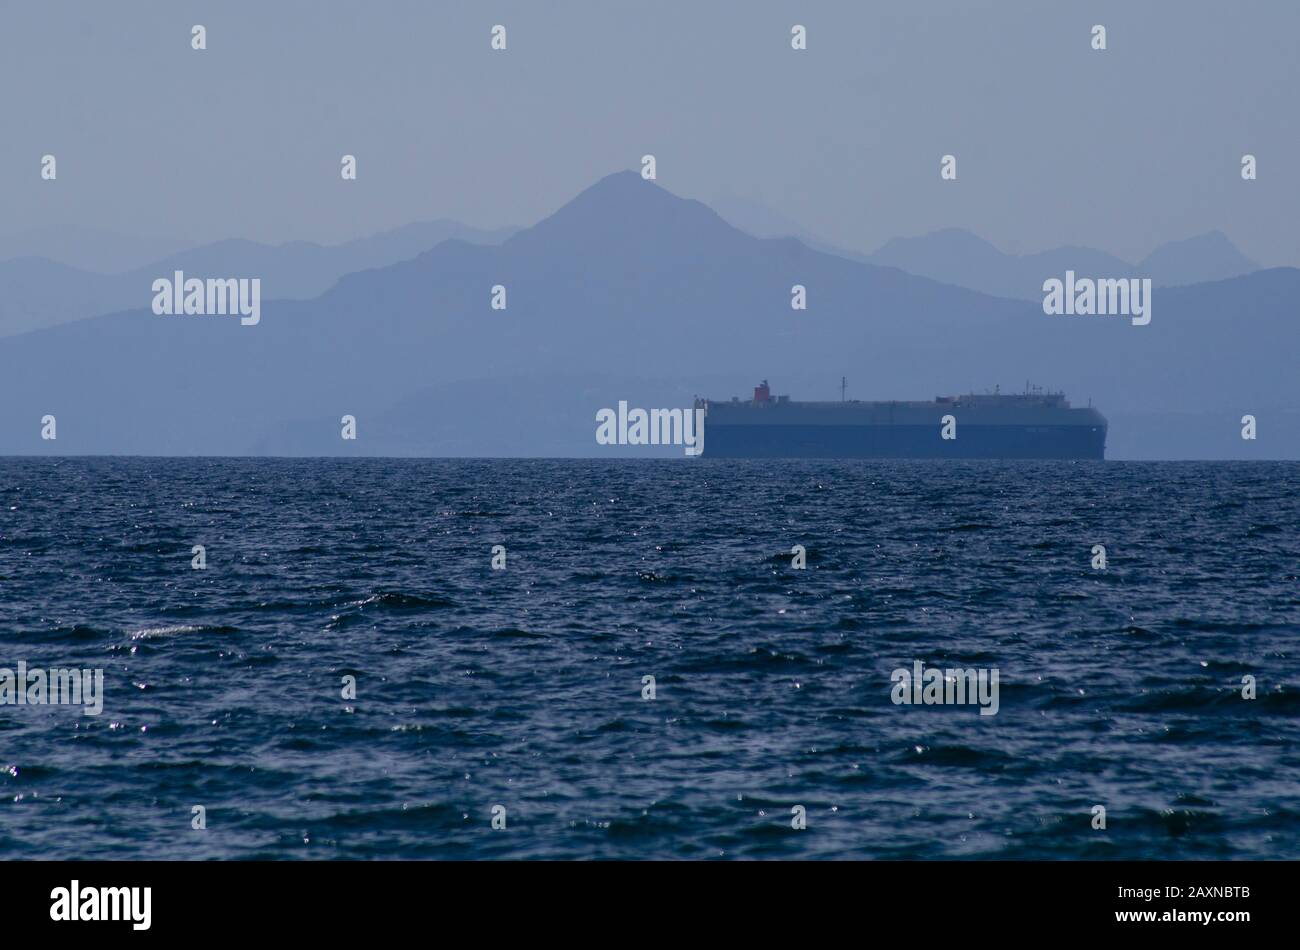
x: 523, y: 687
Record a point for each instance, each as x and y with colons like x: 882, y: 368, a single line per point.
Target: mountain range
x: 958, y: 257
x: 37, y: 292
x: 954, y: 256
x: 630, y: 292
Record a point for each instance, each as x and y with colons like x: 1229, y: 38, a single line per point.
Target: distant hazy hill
x: 36, y: 293
x: 90, y: 249
x: 631, y: 292
x: 958, y: 257
x: 1205, y: 257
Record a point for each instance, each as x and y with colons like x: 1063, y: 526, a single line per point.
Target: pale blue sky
x: 1056, y: 144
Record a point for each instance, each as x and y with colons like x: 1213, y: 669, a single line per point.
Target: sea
x: 635, y: 659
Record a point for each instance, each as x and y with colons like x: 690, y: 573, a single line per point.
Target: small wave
x: 659, y: 818
x: 956, y: 754
x: 514, y: 633
x: 395, y: 600
x: 1176, y: 700
x: 74, y: 632
x: 1177, y: 822
x: 176, y: 630
x: 783, y: 558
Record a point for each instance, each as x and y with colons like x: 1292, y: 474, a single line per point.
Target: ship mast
x: 844, y: 385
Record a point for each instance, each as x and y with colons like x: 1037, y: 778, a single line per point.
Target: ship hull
x: 778, y: 440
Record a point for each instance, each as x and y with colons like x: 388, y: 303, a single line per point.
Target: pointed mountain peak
x: 625, y: 207
x: 626, y: 192
x: 625, y: 181
x: 1202, y: 257
x: 946, y: 242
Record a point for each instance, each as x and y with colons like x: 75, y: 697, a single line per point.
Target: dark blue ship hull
x: 904, y: 441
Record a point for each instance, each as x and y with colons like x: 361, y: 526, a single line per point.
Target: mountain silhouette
x: 37, y: 292
x: 629, y: 292
x: 1209, y: 256
x: 91, y: 250
x: 956, y: 256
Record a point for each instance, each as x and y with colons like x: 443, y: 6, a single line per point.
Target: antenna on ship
x: 844, y: 385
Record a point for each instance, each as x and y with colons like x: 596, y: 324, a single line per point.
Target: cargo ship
x: 1029, y: 425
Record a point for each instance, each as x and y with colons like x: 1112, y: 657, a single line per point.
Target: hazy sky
x: 1056, y: 143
